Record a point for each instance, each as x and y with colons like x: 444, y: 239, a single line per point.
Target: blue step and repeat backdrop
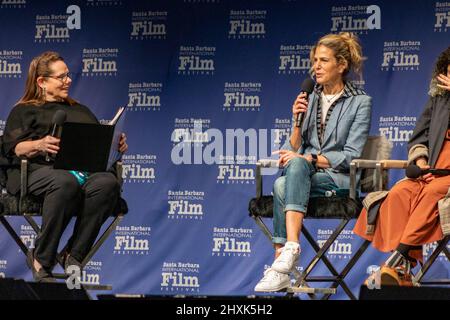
x: 209, y: 86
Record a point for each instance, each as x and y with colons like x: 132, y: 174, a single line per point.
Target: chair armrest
x: 23, y: 177
x: 23, y: 182
x: 364, y: 164
x: 268, y: 163
x: 394, y: 164
x: 263, y: 163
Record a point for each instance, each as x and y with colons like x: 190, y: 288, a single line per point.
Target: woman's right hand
x: 423, y: 164
x: 48, y: 144
x: 300, y: 105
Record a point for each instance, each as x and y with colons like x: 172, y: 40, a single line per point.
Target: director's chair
x: 344, y: 206
x: 29, y: 207
x: 441, y: 248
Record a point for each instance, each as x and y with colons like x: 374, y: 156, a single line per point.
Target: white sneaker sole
x: 280, y: 287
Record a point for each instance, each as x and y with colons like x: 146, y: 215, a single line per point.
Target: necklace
x: 332, y: 98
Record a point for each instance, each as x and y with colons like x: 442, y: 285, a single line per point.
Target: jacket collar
x: 349, y: 90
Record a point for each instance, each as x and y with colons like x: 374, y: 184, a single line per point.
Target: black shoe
x: 71, y: 261
x: 42, y: 275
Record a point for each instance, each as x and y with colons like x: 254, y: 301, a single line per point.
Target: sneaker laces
x: 270, y: 275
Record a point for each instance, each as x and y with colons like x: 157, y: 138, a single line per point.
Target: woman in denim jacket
x: 318, y: 155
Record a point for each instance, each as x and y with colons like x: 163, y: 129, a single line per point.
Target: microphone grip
x: 301, y: 116
x: 48, y: 157
x: 299, y: 120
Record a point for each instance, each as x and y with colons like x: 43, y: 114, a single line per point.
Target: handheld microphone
x: 58, y: 120
x: 413, y: 171
x: 307, y: 87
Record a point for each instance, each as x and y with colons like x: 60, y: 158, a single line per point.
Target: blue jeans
x: 292, y: 191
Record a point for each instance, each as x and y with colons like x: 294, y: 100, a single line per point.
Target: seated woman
x: 408, y: 217
x: 318, y: 157
x: 27, y: 134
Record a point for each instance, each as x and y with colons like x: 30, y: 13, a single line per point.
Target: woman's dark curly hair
x: 441, y: 67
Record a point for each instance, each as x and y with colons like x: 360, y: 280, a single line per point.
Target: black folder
x: 90, y: 147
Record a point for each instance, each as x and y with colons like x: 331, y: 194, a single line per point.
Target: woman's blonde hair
x: 346, y: 47
x: 39, y: 67
x: 440, y: 67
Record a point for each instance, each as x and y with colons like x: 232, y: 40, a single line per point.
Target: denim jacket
x: 345, y: 135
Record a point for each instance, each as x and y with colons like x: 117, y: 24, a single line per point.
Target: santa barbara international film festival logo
x: 341, y: 248
x: 189, y: 131
x: 196, y: 60
x: 294, y: 59
x: 233, y: 151
x: 132, y: 240
x: 397, y: 129
x: 428, y: 248
x: 27, y: 235
x: 180, y: 277
x: 357, y: 19
x: 91, y: 273
x: 442, y: 13
x: 139, y: 168
x: 247, y: 24
x: 242, y: 96
x: 237, y: 169
x: 52, y: 28
x: 231, y: 242
x: 10, y: 63
x: 147, y: 25
x: 282, y: 129
x: 14, y: 4
x: 401, y: 56
x: 144, y: 96
x: 99, y: 62
x: 185, y: 204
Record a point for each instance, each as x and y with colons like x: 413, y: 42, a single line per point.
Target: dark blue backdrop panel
x: 233, y: 65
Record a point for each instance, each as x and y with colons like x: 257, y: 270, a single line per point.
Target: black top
x: 29, y: 122
x: 432, y: 126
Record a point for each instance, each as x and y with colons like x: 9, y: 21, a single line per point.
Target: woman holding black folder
x: 28, y: 133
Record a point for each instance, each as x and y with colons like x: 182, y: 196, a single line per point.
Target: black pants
x: 64, y: 198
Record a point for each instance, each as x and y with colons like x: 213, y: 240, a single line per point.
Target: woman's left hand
x: 286, y: 156
x: 123, y: 147
x: 444, y: 82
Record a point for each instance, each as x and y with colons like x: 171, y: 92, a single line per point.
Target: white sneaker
x: 288, y: 259
x: 273, y: 281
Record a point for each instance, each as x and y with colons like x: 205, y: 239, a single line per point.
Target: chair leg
x: 442, y: 246
x: 351, y: 263
x: 14, y: 235
x: 263, y: 227
x: 447, y: 253
x: 338, y: 280
x: 91, y: 253
x: 102, y: 239
x: 32, y: 223
x: 320, y: 251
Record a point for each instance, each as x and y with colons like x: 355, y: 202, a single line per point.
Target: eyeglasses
x: 63, y: 77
